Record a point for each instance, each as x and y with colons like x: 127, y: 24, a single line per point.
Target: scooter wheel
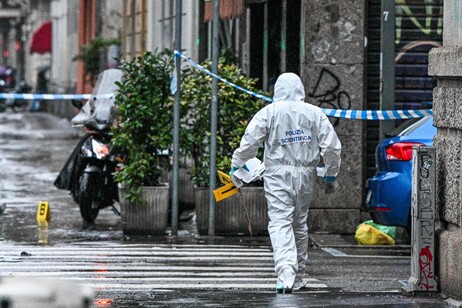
x: 87, y: 197
x: 18, y: 107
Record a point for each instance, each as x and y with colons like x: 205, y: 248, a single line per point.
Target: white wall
x: 161, y: 26
x: 35, y: 17
x: 63, y: 77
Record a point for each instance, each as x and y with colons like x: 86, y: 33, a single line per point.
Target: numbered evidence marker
x: 43, y: 213
x: 225, y: 191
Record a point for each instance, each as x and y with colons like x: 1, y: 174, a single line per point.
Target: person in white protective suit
x: 294, y: 134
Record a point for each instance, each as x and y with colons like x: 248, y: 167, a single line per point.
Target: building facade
x: 335, y: 46
x: 446, y: 65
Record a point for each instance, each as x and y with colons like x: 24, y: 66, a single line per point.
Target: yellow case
x: 225, y: 191
x: 224, y: 178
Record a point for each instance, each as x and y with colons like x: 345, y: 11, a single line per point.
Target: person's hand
x: 329, y: 184
x: 233, y: 169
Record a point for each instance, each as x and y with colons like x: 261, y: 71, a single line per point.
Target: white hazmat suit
x: 294, y: 135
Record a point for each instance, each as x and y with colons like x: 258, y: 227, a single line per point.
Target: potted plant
x: 235, y: 110
x: 144, y: 134
x: 92, y: 55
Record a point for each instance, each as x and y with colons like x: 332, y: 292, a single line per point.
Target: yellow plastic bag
x: 368, y: 235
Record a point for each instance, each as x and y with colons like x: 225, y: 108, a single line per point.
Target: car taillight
x: 400, y: 150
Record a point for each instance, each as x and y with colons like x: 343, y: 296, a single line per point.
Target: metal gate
x: 419, y: 28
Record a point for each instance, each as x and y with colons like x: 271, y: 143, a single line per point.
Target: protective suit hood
x: 289, y: 87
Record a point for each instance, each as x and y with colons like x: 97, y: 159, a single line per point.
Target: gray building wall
x: 333, y: 68
x: 161, y: 29
x: 110, y: 18
x: 65, y: 45
x: 63, y: 70
x: 446, y: 63
x: 65, y: 15
x: 36, y: 14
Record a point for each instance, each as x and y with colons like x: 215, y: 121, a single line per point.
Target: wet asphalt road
x: 186, y: 271
x: 34, y: 147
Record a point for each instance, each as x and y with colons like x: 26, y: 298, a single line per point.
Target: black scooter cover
x: 67, y: 178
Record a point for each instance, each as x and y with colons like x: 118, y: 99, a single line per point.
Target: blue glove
x: 329, y: 184
x: 329, y: 179
x: 233, y: 169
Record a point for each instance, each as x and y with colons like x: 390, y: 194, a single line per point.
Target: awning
x: 229, y: 9
x: 41, y: 39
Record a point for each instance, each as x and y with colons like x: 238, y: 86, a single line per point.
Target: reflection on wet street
x: 34, y: 147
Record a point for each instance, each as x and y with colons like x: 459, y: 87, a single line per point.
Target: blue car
x: 389, y: 191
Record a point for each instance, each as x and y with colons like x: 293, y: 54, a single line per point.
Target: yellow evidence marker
x: 43, y: 213
x: 225, y: 191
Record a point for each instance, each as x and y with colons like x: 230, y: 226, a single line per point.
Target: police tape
x: 335, y: 113
x: 203, y: 69
x: 30, y: 96
x: 377, y: 114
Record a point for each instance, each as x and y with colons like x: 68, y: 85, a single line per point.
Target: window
x: 134, y: 31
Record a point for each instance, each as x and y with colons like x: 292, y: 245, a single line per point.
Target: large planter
x: 149, y: 218
x: 186, y: 189
x: 229, y: 213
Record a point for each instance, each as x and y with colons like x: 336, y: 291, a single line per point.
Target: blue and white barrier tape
x: 335, y: 113
x: 29, y: 96
x: 200, y: 67
x: 377, y: 114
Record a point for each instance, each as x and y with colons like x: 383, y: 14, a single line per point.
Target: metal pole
x: 302, y: 37
x: 387, y: 62
x: 265, y: 47
x: 247, y: 50
x: 213, y: 116
x: 176, y: 120
x: 283, y: 53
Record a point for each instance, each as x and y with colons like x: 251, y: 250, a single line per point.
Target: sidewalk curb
x: 338, y: 241
x: 452, y: 303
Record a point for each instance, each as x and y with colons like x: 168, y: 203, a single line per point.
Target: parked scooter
x: 19, y: 105
x: 88, y: 172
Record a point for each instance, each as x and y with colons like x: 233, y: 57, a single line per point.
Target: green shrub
x: 235, y: 109
x: 145, y: 125
x: 90, y: 54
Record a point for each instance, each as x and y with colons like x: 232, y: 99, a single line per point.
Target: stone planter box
x: 150, y: 218
x: 229, y: 213
x: 186, y: 189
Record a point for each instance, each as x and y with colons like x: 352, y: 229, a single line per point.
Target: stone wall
x: 333, y: 73
x: 446, y: 64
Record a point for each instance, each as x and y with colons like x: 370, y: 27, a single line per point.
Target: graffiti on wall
x: 328, y: 94
x: 426, y: 231
x: 410, y: 76
x: 419, y: 27
x: 414, y: 45
x: 433, y: 11
x: 426, y: 277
